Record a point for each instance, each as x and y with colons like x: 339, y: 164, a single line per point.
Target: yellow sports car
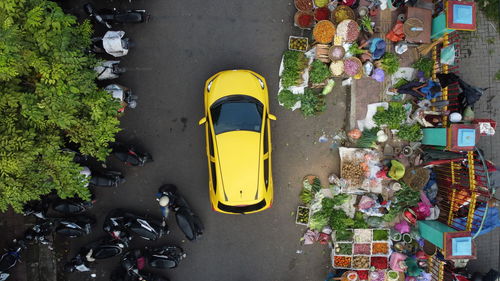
x: 238, y: 137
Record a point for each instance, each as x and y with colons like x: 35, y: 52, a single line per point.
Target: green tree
x: 49, y: 97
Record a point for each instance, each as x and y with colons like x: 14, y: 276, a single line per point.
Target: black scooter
x: 165, y: 257
x: 101, y: 249
x: 129, y: 155
x: 106, y: 179
x: 119, y: 221
x: 72, y: 206
x: 132, y: 268
x: 10, y: 258
x: 170, y: 199
x: 108, y: 17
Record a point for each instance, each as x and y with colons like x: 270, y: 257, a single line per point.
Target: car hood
x: 238, y: 153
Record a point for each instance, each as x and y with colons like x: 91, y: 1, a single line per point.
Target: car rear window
x: 237, y: 113
x: 242, y: 209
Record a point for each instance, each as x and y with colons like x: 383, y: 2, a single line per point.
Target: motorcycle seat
x: 129, y: 17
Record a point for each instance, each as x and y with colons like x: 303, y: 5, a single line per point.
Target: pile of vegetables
x: 404, y: 198
x: 307, y: 193
x: 311, y: 103
x: 294, y: 63
x: 287, y: 98
x: 425, y: 65
x: 303, y: 215
x: 393, y: 116
x: 336, y: 219
x: 298, y: 43
x: 410, y: 132
x: 368, y: 138
x: 389, y: 63
x: 319, y: 72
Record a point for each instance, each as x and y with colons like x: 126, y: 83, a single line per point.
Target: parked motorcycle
x: 72, y: 206
x: 170, y: 199
x: 112, y: 43
x: 109, y: 70
x: 108, y: 17
x: 103, y: 179
x: 119, y: 221
x: 10, y: 258
x: 132, y: 268
x: 129, y: 155
x: 101, y: 249
x: 165, y: 257
x: 37, y: 234
x: 76, y: 226
x: 123, y: 94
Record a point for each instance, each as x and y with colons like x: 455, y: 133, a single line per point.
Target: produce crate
x: 300, y: 210
x: 291, y: 38
x: 365, y: 245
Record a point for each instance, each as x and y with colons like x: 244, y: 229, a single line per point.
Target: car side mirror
x: 272, y: 117
x: 202, y: 121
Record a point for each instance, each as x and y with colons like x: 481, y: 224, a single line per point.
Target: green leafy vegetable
x: 404, y: 198
x: 424, y: 64
x: 287, y: 98
x: 366, y: 22
x: 410, y: 132
x: 389, y: 63
x: 393, y: 117
x: 359, y: 221
x: 344, y: 235
x: 319, y: 72
x: 306, y: 196
x: 355, y: 50
x: 316, y: 185
x: 368, y: 138
x: 294, y: 63
x: 311, y: 103
x: 340, y: 199
x: 380, y: 234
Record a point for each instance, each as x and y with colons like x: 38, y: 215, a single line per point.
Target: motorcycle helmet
x: 164, y: 200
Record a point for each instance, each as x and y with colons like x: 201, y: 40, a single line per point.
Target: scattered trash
x: 323, y: 139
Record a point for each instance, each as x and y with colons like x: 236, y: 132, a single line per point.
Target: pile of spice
x: 324, y: 31
x: 337, y: 67
x: 343, y: 13
x: 321, y: 3
x: 322, y: 14
x: 304, y: 5
x: 349, y: 30
x: 380, y: 248
x: 340, y: 261
x: 361, y: 262
x: 363, y: 274
x: 379, y: 263
x: 336, y: 52
x: 352, y: 66
x: 362, y: 249
x: 304, y: 19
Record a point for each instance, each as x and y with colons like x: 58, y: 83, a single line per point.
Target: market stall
x: 413, y: 190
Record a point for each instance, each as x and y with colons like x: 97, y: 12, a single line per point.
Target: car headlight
x: 262, y: 85
x: 209, y: 85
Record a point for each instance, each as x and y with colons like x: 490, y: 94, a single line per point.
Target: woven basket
x: 306, y: 10
x: 412, y: 22
x: 331, y: 50
x: 358, y: 62
x: 296, y: 19
x: 330, y: 36
x: 344, y: 9
x: 416, y: 178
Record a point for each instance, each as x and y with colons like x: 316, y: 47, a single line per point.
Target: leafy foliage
x: 311, y: 103
x: 393, y: 117
x: 336, y: 219
x: 368, y: 138
x: 390, y: 63
x: 403, y: 198
x: 287, y: 98
x: 48, y: 98
x: 319, y: 72
x: 490, y: 9
x: 410, y: 132
x: 294, y: 63
x: 425, y: 65
x: 355, y: 50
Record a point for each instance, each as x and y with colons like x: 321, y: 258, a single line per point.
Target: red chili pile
x: 322, y: 14
x: 305, y: 20
x: 379, y: 262
x: 363, y: 274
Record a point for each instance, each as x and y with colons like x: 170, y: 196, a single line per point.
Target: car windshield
x: 235, y: 113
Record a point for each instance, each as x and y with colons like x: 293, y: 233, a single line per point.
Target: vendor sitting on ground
x: 420, y: 90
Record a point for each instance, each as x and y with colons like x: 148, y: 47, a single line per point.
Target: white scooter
x: 112, y: 43
x: 123, y: 94
x: 109, y: 70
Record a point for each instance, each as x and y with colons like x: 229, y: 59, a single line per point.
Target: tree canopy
x: 49, y: 98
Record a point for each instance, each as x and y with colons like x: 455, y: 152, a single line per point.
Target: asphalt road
x: 185, y: 43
